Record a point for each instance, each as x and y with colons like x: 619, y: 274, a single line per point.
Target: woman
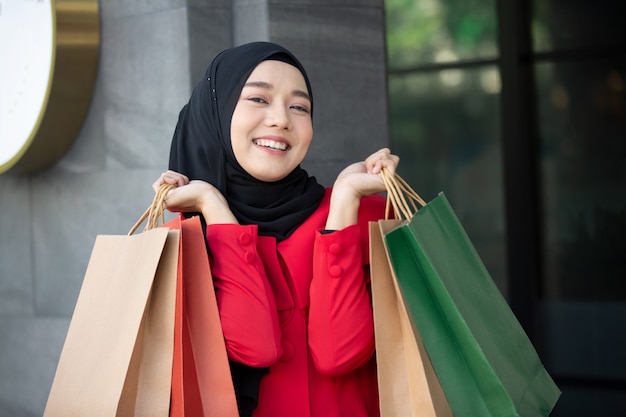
x: 289, y: 258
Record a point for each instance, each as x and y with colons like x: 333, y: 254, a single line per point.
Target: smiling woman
x: 49, y: 55
x: 289, y: 257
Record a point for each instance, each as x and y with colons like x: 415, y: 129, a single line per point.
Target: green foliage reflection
x: 427, y: 31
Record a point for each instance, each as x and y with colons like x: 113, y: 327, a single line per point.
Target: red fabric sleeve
x: 341, y: 327
x: 244, y: 296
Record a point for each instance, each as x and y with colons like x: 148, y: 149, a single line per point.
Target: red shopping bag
x: 201, y: 381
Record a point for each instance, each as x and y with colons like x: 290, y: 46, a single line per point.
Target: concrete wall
x: 152, y: 52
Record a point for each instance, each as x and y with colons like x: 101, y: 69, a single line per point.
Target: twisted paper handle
x: 401, y: 196
x: 156, y: 211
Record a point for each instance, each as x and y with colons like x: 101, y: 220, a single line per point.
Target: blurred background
x: 515, y: 109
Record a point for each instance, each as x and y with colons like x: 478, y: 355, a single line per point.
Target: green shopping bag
x: 484, y: 360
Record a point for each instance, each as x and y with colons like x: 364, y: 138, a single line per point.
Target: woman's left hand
x: 362, y: 178
x: 355, y: 181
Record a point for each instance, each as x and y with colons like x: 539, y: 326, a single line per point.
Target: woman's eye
x: 257, y: 100
x: 300, y: 108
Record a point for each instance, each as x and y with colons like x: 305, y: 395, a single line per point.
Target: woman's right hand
x: 195, y: 196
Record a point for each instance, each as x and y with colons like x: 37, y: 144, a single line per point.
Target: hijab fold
x: 201, y: 146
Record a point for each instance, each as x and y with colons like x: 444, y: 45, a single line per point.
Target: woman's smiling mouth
x: 272, y: 144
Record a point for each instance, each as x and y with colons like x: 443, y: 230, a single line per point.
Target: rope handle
x: 155, y: 213
x: 400, y: 196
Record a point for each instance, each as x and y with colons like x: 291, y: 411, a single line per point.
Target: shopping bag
x: 202, y: 385
x: 117, y: 355
x: 484, y: 360
x: 407, y: 383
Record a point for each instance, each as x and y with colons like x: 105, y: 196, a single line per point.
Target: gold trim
x: 75, y: 53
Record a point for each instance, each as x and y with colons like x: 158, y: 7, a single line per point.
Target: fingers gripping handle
x: 155, y: 212
x: 400, y: 196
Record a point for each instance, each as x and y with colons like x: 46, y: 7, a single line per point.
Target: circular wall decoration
x: 49, y: 51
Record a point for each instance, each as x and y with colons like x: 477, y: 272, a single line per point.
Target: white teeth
x: 271, y: 144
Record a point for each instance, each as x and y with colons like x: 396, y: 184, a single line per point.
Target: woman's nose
x: 278, y: 116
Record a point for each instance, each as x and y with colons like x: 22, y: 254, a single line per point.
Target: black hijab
x: 201, y: 146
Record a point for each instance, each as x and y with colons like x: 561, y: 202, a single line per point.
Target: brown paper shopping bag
x: 408, y: 385
x: 117, y: 356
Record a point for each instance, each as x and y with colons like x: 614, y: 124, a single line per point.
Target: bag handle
x: 400, y: 196
x: 156, y: 210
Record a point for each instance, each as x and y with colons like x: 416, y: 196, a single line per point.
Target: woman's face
x: 271, y: 128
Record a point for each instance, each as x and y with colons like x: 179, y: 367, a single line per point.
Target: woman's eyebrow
x: 300, y: 93
x: 269, y: 86
x: 261, y: 84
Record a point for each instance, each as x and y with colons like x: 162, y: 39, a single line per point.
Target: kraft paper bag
x: 408, y: 385
x: 484, y: 360
x: 202, y: 385
x: 117, y: 356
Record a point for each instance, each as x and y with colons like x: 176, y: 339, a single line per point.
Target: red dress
x: 301, y: 307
